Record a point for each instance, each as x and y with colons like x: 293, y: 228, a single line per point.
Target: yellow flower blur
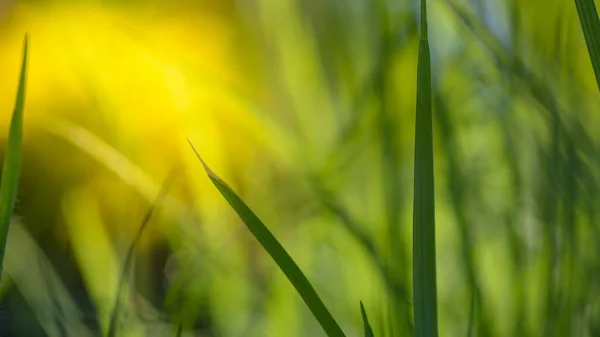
x: 141, y: 79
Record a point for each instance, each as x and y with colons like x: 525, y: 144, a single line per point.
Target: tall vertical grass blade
x: 12, y: 160
x: 278, y: 253
x: 368, y: 330
x: 590, y: 24
x: 424, y: 274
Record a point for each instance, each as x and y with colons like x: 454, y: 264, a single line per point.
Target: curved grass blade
x: 590, y: 24
x: 278, y: 253
x: 12, y: 160
x: 112, y: 329
x: 424, y: 273
x: 368, y: 330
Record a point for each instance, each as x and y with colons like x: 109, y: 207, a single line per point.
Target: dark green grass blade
x: 471, y: 325
x: 424, y: 273
x: 588, y: 17
x: 368, y: 330
x: 179, y: 330
x: 12, y: 160
x: 112, y: 328
x: 278, y: 253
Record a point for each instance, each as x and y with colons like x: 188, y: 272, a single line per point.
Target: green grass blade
x: 12, y: 160
x: 588, y: 17
x: 278, y: 253
x: 424, y: 273
x: 368, y: 330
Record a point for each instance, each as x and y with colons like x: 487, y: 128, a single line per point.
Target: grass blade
x: 424, y: 273
x: 37, y: 281
x: 12, y: 160
x: 588, y: 17
x: 278, y: 253
x: 179, y: 330
x: 112, y: 329
x: 368, y: 330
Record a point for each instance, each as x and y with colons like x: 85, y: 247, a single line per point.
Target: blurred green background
x: 307, y: 108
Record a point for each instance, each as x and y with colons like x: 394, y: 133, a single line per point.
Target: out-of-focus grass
x: 116, y: 309
x: 93, y: 252
x: 307, y: 108
x: 41, y: 287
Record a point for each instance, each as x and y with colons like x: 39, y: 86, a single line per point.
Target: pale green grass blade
x: 39, y: 283
x: 12, y: 160
x: 368, y: 330
x: 424, y: 273
x: 278, y: 253
x: 116, y: 162
x: 588, y: 17
x: 106, y: 155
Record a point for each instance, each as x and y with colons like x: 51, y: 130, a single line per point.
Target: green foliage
x: 517, y: 175
x: 277, y: 253
x: 12, y: 160
x: 424, y: 273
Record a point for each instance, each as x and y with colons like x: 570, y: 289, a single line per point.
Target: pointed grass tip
x: 210, y: 172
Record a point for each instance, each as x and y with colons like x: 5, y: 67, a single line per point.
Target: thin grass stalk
x: 510, y: 149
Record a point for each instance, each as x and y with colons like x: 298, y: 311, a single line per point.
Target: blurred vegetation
x: 307, y: 109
